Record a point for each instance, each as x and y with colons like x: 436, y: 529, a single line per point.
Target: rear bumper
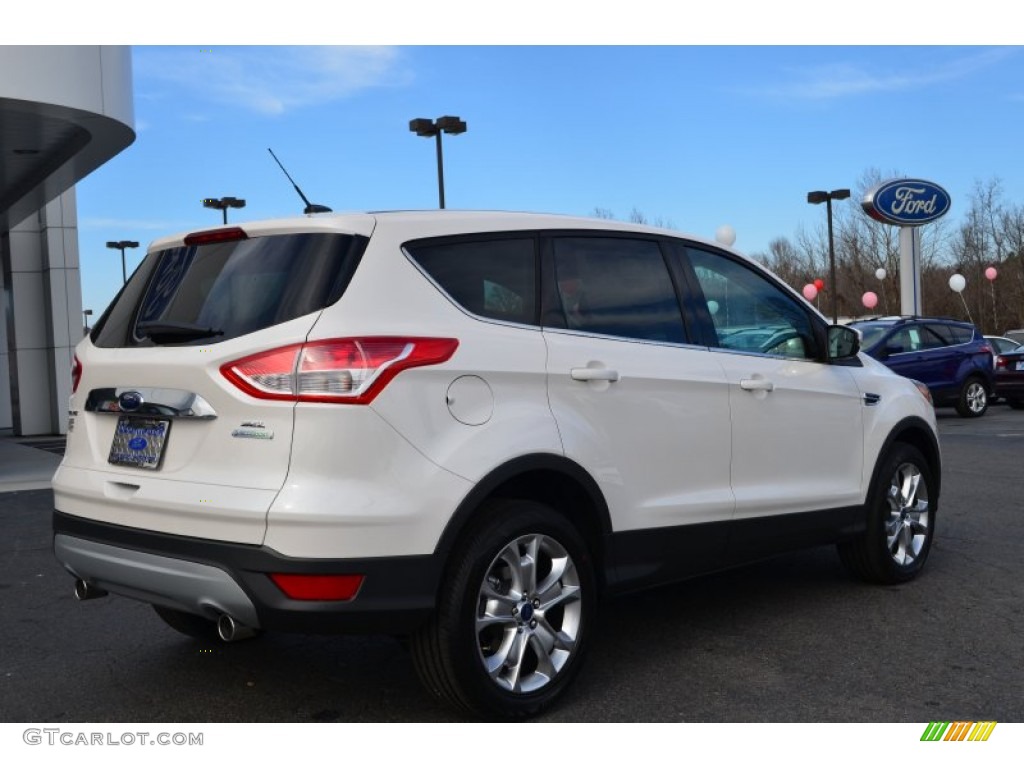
x: 1011, y: 388
x: 210, y: 578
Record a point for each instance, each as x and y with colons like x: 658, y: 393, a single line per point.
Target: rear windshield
x: 209, y: 293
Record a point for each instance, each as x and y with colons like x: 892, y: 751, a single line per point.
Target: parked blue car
x: 952, y: 357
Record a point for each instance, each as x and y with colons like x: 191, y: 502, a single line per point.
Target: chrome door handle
x: 756, y: 385
x: 594, y: 374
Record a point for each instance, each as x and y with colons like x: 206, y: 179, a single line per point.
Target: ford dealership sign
x: 906, y: 202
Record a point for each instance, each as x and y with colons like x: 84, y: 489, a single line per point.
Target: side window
x: 490, y: 278
x: 618, y: 287
x: 960, y: 334
x: 749, y: 312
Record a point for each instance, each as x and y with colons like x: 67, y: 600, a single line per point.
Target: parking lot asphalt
x: 795, y: 639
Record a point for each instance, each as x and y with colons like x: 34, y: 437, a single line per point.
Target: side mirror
x: 843, y: 343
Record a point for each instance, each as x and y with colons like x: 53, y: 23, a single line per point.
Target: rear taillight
x: 1000, y: 361
x: 76, y: 373
x: 335, y: 370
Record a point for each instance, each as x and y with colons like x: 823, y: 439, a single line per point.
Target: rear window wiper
x: 164, y: 333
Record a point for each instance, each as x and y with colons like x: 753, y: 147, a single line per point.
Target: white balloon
x: 880, y: 273
x: 713, y: 307
x: 957, y: 283
x: 725, y: 235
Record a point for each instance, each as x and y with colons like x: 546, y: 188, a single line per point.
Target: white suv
x: 466, y: 427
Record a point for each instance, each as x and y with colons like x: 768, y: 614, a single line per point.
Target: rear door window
x: 230, y: 288
x: 617, y: 286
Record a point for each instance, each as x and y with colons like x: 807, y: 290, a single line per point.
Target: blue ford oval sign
x: 906, y: 202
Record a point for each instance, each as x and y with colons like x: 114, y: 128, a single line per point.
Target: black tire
x: 900, y: 520
x: 1017, y: 405
x: 466, y: 654
x: 189, y: 624
x: 973, y: 399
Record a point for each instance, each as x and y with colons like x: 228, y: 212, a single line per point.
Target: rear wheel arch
x: 553, y: 480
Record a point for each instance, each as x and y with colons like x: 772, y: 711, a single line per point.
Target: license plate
x: 1020, y: 365
x: 139, y: 442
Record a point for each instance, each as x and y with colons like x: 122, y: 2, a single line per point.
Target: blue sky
x: 699, y: 136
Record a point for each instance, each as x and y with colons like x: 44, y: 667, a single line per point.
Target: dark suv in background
x: 951, y: 357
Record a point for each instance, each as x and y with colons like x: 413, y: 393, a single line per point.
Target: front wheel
x: 900, y: 520
x: 973, y: 401
x: 515, y: 609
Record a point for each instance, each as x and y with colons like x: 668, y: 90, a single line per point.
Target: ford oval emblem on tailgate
x: 130, y: 401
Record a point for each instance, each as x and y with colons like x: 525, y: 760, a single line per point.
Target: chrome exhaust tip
x: 229, y: 630
x: 86, y: 591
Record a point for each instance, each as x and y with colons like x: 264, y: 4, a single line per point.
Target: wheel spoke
x: 911, y: 481
x: 509, y: 598
x: 528, y: 564
x: 564, y: 594
x: 546, y: 669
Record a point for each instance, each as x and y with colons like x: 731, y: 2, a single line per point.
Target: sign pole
x: 910, y: 271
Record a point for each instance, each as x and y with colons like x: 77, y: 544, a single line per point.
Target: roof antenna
x: 310, y: 207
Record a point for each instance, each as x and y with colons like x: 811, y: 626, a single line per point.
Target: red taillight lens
x: 300, y: 586
x: 336, y: 370
x: 1000, y: 361
x: 76, y: 373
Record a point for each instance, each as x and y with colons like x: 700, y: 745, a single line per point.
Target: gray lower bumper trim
x: 187, y: 586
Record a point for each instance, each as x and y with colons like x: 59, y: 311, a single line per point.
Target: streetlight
x: 827, y: 197
x: 120, y: 245
x: 223, y: 204
x: 447, y: 124
x: 86, y: 314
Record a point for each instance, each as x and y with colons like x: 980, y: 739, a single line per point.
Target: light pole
x: 86, y: 314
x: 421, y: 126
x: 120, y: 245
x: 827, y: 197
x: 222, y: 204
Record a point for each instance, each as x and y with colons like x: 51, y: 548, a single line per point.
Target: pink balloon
x: 869, y: 299
x: 810, y: 292
x: 991, y: 273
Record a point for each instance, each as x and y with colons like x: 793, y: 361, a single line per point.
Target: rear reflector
x: 335, y: 370
x: 300, y: 586
x: 216, y: 236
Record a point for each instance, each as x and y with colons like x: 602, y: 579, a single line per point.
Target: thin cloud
x: 272, y: 80
x: 833, y: 81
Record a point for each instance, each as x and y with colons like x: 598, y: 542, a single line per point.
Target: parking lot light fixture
x: 450, y: 124
x: 120, y: 245
x: 222, y: 204
x: 820, y: 196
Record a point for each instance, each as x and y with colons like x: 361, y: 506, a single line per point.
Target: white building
x: 64, y: 111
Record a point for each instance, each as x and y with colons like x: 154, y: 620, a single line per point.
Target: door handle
x: 756, y: 385
x: 594, y: 374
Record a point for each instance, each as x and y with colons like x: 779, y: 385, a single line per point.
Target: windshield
x: 871, y: 333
